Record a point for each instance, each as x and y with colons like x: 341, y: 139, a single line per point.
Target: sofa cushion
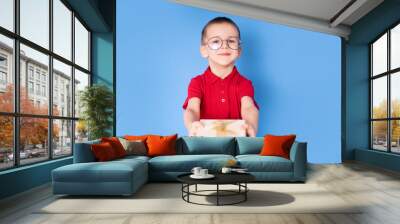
x: 111, y: 171
x: 257, y: 163
x: 249, y: 145
x: 131, y: 158
x: 83, y: 152
x: 206, y: 145
x: 185, y: 163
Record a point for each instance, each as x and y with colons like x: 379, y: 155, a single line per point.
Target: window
x: 35, y: 21
x: 43, y: 77
x: 81, y: 81
x: 30, y: 87
x: 62, y: 29
x: 6, y: 142
x: 38, y: 74
x: 385, y: 91
x: 44, y: 131
x: 7, y: 14
x: 30, y: 72
x: 6, y: 74
x: 81, y: 45
x: 44, y: 91
x: 3, y: 61
x: 62, y: 137
x: 62, y: 74
x: 3, y: 78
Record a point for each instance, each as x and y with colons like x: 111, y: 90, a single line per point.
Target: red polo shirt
x: 220, y: 98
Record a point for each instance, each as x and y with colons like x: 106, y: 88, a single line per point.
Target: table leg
x: 245, y: 193
x: 196, y: 188
x: 188, y: 189
x: 217, y: 194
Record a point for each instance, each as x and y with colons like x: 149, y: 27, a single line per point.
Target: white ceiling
x: 327, y: 16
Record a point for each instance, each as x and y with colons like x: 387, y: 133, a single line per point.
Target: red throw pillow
x: 116, y: 145
x: 277, y: 145
x: 103, y: 151
x: 161, y: 145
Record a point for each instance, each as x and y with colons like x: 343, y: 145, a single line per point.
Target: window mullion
x: 16, y: 84
x: 389, y: 101
x: 50, y: 81
x: 73, y: 82
x: 370, y: 98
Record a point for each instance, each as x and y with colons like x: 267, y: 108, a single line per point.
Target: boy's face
x: 228, y: 52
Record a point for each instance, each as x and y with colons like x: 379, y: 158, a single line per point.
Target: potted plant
x: 97, y: 103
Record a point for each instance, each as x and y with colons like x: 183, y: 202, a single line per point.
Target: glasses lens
x: 233, y: 43
x: 215, y: 43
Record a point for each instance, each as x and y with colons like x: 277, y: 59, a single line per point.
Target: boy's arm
x: 249, y: 113
x: 192, y: 114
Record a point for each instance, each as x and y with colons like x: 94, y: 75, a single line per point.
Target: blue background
x: 296, y: 74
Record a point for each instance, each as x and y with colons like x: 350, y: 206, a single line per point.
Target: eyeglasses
x: 215, y: 43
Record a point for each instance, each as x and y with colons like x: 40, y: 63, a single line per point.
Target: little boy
x: 221, y: 92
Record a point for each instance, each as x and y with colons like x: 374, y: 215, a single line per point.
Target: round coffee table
x: 238, y: 179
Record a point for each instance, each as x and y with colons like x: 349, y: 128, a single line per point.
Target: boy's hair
x: 218, y: 20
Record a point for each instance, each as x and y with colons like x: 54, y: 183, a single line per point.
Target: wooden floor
x: 353, y: 182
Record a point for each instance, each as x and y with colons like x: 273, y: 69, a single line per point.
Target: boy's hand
x: 250, y: 130
x: 195, y: 127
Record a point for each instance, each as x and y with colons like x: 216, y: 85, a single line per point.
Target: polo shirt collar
x: 211, y: 77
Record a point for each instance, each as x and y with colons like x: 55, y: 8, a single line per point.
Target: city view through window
x: 385, y: 91
x: 39, y: 114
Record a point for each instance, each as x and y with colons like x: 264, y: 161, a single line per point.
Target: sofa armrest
x: 83, y: 152
x: 298, y: 155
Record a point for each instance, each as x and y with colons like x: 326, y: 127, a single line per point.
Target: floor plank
x: 375, y: 189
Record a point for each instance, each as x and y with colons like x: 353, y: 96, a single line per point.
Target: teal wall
x: 102, y: 58
x: 103, y: 62
x: 357, y: 85
x: 21, y: 179
x: 24, y: 178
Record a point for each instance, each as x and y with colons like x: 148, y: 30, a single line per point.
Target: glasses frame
x: 222, y: 43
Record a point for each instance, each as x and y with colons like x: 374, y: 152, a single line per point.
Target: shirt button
x: 223, y: 100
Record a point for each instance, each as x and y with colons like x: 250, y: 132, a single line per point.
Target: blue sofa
x: 125, y: 176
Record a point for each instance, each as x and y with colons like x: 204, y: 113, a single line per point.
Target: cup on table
x: 196, y: 171
x: 203, y: 172
x: 226, y: 170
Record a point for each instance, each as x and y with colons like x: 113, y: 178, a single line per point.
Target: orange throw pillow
x: 116, y: 145
x: 161, y: 145
x: 103, y: 151
x: 277, y: 145
x: 136, y: 138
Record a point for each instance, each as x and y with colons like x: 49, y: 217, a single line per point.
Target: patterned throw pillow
x: 134, y: 147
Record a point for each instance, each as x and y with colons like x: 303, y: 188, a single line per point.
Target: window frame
x: 388, y: 74
x: 16, y: 114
